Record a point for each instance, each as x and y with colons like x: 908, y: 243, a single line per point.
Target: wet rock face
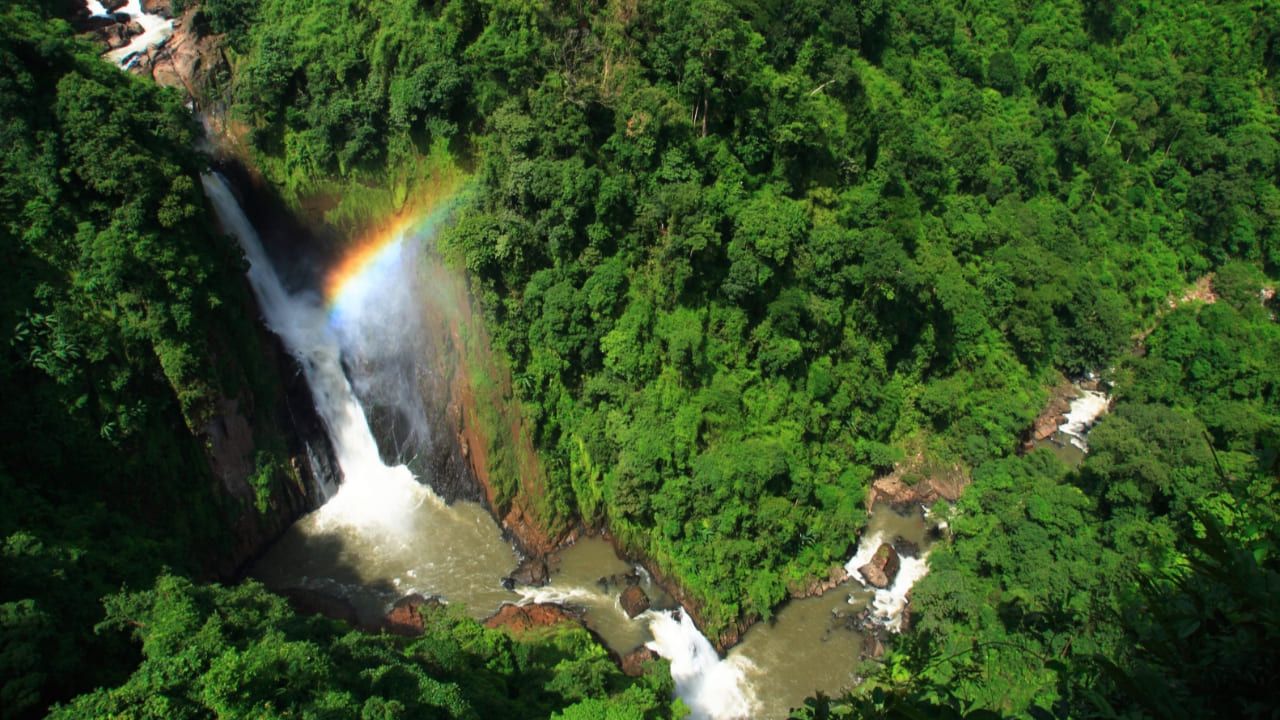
x: 532, y: 572
x: 906, y: 548
x: 163, y: 8
x: 405, y: 617
x: 618, y: 580
x: 522, y: 618
x: 634, y: 601
x: 818, y: 586
x: 883, y: 567
x: 634, y: 661
x: 118, y: 35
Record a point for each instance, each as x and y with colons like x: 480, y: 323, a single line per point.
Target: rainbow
x: 367, y: 262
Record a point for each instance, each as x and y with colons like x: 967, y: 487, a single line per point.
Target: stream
x: 382, y: 533
x: 156, y: 30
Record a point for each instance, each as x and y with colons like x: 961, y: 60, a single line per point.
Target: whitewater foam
x: 373, y: 495
x: 713, y: 688
x: 156, y: 30
x: 888, y: 605
x: 1083, y: 415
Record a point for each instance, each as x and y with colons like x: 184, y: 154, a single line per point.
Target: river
x: 383, y: 534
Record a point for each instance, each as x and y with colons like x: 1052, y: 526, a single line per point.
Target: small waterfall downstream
x: 1082, y: 416
x: 713, y: 688
x: 888, y: 604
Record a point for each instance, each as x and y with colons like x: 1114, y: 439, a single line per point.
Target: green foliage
x: 740, y: 257
x: 241, y: 652
x: 125, y: 320
x: 708, y: 230
x: 1141, y: 585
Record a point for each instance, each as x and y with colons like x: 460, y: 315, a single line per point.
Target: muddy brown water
x: 456, y: 552
x: 452, y: 551
x: 815, y: 644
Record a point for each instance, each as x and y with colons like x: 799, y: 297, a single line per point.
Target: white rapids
x: 712, y: 687
x: 155, y: 31
x: 888, y: 604
x: 1083, y: 415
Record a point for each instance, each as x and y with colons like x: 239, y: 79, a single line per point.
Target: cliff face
x: 486, y: 432
x: 242, y: 438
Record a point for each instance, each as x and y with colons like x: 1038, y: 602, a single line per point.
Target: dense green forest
x: 126, y: 320
x: 745, y: 256
x: 741, y: 257
x: 118, y: 298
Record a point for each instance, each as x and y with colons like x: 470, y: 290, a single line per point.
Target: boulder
x: 634, y: 661
x: 522, y: 618
x: 532, y: 571
x: 405, y: 616
x: 84, y: 22
x: 873, y: 646
x: 118, y: 35
x: 634, y: 601
x: 905, y: 547
x: 114, y: 5
x: 883, y: 567
x: 163, y: 8
x: 618, y: 580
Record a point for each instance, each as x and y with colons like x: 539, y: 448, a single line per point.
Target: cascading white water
x: 888, y: 604
x: 712, y: 688
x: 155, y: 30
x: 1081, y: 417
x: 372, y: 494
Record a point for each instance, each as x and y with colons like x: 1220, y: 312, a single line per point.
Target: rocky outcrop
x: 608, y: 583
x: 532, y: 572
x: 187, y: 60
x: 83, y: 22
x: 117, y: 35
x: 231, y: 448
x: 163, y: 8
x: 883, y: 567
x: 819, y: 585
x: 892, y: 489
x: 905, y: 547
x: 406, y: 615
x: 1053, y: 414
x: 633, y: 663
x: 634, y: 601
x: 312, y: 602
x: 519, y: 619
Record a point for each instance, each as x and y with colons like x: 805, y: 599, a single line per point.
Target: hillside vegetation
x: 745, y: 256
x: 741, y: 258
x: 126, y: 321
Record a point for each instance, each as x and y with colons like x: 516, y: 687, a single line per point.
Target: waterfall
x: 888, y: 604
x: 1083, y: 415
x: 372, y: 494
x: 712, y: 688
x: 381, y: 500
